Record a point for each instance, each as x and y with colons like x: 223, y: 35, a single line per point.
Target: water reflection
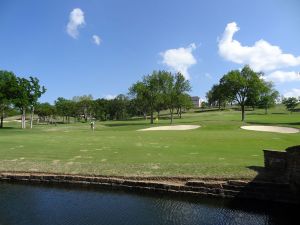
x: 34, y: 205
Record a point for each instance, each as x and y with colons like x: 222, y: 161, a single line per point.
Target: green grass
x: 218, y: 149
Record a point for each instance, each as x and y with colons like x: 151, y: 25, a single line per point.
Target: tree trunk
x: 266, y: 110
x: 151, y: 117
x: 243, y: 112
x: 180, y: 112
x: 2, y: 117
x: 23, y: 118
x: 171, y: 112
x: 31, y: 117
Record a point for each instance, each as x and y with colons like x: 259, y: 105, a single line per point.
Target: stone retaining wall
x: 280, y: 192
x: 275, y: 160
x: 285, y: 163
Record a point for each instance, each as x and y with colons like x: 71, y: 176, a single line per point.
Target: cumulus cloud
x: 76, y: 20
x: 97, y: 40
x: 180, y: 59
x: 292, y: 93
x: 262, y: 56
x: 282, y: 76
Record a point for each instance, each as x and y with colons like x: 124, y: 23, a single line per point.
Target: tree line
x: 158, y: 91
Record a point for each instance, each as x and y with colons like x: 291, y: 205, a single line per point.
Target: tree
x: 268, y: 97
x: 45, y: 111
x: 242, y: 86
x: 182, y: 86
x: 138, y: 93
x: 290, y: 103
x: 184, y: 103
x: 216, y: 96
x: 8, y: 87
x: 65, y: 108
x: 146, y: 94
x: 84, y: 106
x: 22, y: 100
x: 35, y: 93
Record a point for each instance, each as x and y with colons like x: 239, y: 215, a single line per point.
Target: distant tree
x: 35, y: 93
x: 204, y: 105
x: 84, y: 106
x: 242, y: 85
x: 290, y: 103
x: 217, y: 95
x: 65, y: 108
x: 121, y: 102
x: 23, y: 98
x: 139, y: 92
x: 184, y: 103
x: 268, y: 97
x: 8, y: 87
x: 182, y: 87
x: 101, y: 109
x: 45, y: 111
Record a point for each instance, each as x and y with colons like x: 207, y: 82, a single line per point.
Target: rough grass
x: 218, y: 149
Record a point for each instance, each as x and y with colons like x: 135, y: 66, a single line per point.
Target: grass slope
x: 218, y: 149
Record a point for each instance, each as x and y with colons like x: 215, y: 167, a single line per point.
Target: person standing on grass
x: 93, y: 125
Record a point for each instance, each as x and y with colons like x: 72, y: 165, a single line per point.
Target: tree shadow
x: 8, y: 128
x: 268, y: 123
x: 125, y: 124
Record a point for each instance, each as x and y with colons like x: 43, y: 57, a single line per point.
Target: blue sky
x: 102, y: 47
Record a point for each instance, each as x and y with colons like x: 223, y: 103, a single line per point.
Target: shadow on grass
x: 210, y: 110
x: 8, y: 128
x: 272, y: 123
x: 125, y: 124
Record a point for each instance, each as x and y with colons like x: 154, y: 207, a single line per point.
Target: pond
x: 22, y: 204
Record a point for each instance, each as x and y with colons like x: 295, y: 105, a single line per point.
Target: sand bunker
x: 285, y: 130
x: 175, y: 127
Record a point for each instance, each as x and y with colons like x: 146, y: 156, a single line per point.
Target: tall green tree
x: 217, y: 95
x: 8, y: 87
x: 268, y: 97
x: 181, y: 88
x: 138, y: 91
x: 65, y: 108
x: 35, y: 92
x: 85, y: 106
x: 23, y: 100
x: 290, y: 103
x: 242, y: 85
x: 147, y: 92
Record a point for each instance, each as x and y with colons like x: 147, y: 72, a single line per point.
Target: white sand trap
x: 285, y: 130
x: 176, y: 127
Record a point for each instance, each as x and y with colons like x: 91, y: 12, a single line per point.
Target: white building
x: 196, y: 101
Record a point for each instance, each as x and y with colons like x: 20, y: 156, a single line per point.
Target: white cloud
x: 97, y: 40
x: 76, y: 20
x: 180, y: 59
x: 282, y: 76
x: 110, y: 97
x: 292, y: 93
x: 262, y: 56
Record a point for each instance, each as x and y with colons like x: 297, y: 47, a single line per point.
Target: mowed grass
x: 219, y: 149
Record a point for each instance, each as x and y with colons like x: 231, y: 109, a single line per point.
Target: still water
x: 52, y: 205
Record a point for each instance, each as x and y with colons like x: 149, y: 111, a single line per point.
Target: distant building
x: 196, y: 101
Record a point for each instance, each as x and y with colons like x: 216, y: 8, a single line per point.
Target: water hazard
x: 40, y: 205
